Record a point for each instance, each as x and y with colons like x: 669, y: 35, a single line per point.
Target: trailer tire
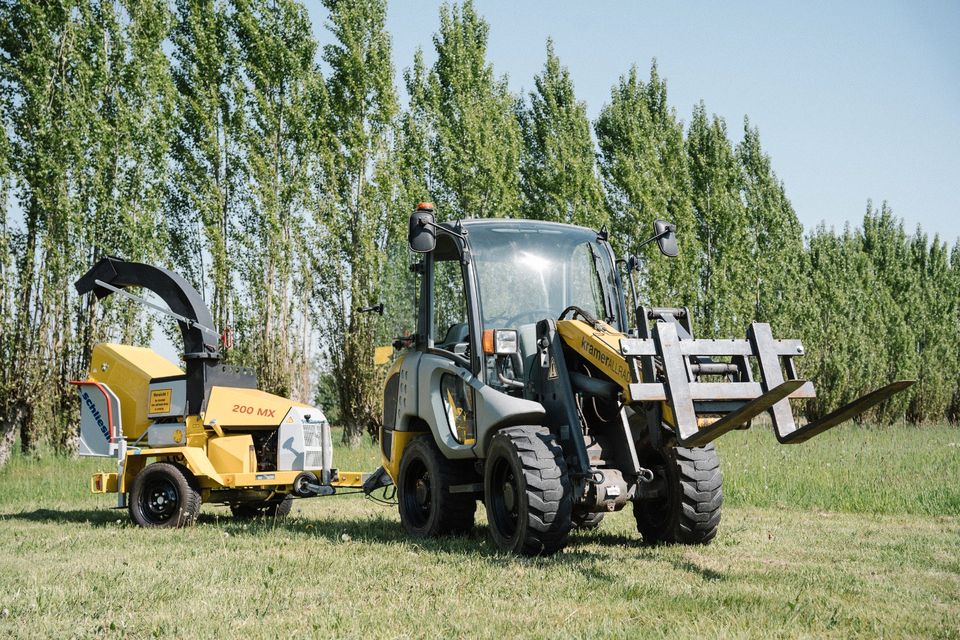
x: 528, y: 494
x: 587, y: 520
x: 277, y: 507
x: 427, y: 508
x: 689, y: 510
x: 164, y: 494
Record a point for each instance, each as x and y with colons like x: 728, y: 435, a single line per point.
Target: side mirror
x: 422, y: 235
x: 666, y: 236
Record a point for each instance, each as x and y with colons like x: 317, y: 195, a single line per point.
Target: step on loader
x: 528, y: 386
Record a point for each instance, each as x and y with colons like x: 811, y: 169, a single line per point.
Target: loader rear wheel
x: 427, y: 508
x: 690, y: 495
x: 528, y: 492
x: 277, y: 507
x: 164, y: 495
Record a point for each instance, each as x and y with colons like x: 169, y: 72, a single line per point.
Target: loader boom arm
x: 701, y: 396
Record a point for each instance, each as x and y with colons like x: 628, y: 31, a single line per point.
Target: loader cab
x: 487, y: 283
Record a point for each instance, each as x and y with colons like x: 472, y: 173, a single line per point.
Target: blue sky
x: 853, y: 100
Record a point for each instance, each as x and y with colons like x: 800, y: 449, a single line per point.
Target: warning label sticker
x: 160, y: 400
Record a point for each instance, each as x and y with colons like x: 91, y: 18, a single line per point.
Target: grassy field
x: 855, y: 534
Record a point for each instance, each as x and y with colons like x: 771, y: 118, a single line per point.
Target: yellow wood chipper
x: 183, y: 437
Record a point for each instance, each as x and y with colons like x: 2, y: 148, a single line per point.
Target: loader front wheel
x: 164, y: 495
x: 687, y: 497
x: 528, y: 492
x: 427, y: 508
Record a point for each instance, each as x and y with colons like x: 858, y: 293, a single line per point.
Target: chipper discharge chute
x: 526, y: 387
x: 182, y: 437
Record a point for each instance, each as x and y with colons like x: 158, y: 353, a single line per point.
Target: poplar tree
x: 774, y: 238
x: 721, y: 226
x: 128, y: 101
x: 935, y: 338
x: 205, y: 193
x: 356, y: 219
x: 644, y: 169
x: 558, y: 176
x: 894, y: 334
x: 952, y: 290
x: 845, y: 299
x: 468, y: 123
x: 276, y: 52
x: 40, y: 65
x: 84, y: 85
x: 7, y: 285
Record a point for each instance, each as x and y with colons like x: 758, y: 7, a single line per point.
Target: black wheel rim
x: 504, y: 498
x: 417, y: 494
x: 159, y: 500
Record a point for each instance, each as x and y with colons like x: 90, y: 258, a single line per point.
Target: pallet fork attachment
x: 677, y: 362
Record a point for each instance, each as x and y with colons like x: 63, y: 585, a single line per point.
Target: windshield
x: 531, y: 271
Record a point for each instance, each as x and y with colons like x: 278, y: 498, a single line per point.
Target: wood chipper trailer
x: 203, y: 434
x: 528, y: 386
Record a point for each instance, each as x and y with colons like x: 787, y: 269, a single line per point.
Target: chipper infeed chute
x: 709, y: 387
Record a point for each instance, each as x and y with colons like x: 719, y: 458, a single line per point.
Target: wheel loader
x: 183, y: 437
x: 532, y: 386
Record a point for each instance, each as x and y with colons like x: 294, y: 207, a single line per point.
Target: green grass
x: 855, y: 534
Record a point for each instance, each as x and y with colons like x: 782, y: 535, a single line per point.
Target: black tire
x: 427, y: 508
x: 587, y: 520
x: 529, y: 497
x: 688, y: 509
x: 164, y: 495
x: 277, y: 507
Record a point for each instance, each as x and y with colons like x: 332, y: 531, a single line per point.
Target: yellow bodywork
x: 127, y: 371
x: 217, y: 458
x: 400, y: 441
x: 232, y: 454
x: 600, y: 346
x: 233, y: 407
x: 382, y: 355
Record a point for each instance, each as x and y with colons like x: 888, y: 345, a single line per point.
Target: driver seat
x: 456, y: 334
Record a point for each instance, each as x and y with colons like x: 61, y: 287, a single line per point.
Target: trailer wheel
x: 528, y: 492
x: 164, y: 495
x: 687, y: 507
x: 277, y: 507
x: 587, y: 520
x: 427, y: 508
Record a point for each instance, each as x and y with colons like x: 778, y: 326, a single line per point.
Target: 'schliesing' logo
x: 87, y: 400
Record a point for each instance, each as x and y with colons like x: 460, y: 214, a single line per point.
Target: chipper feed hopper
x: 205, y: 433
x: 529, y: 386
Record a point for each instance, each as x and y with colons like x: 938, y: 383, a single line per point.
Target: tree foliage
x: 357, y: 220
x: 468, y: 132
x: 645, y: 177
x: 205, y: 188
x: 202, y: 134
x: 558, y: 175
x: 283, y: 99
